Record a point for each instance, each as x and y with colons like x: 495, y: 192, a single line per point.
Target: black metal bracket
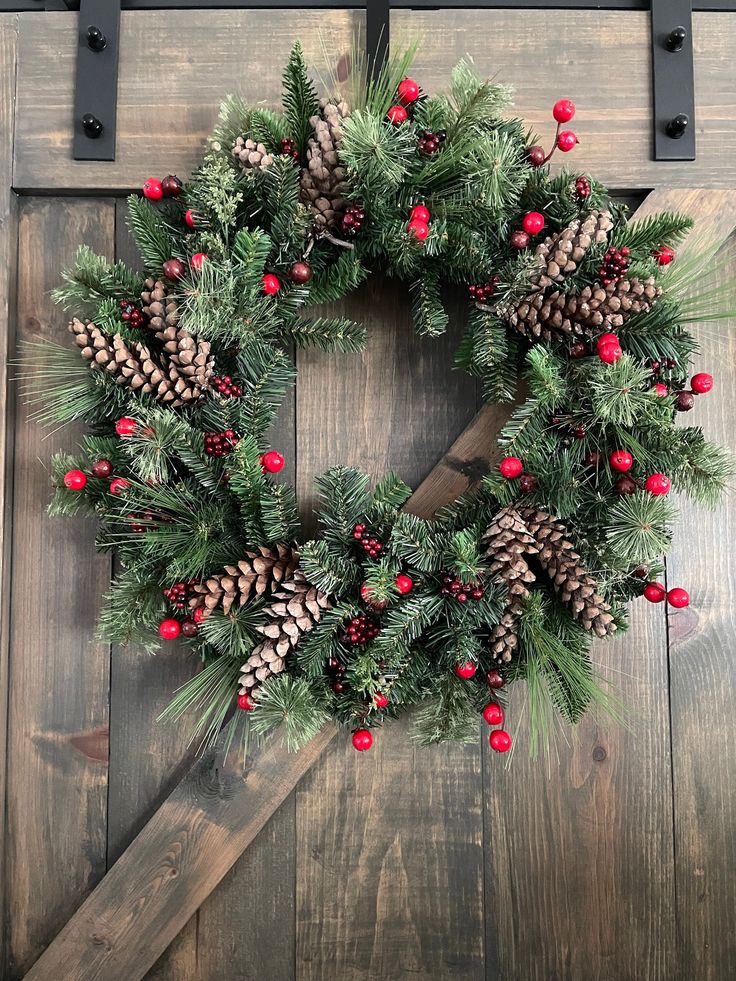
x: 377, y: 31
x: 673, y: 80
x: 96, y: 94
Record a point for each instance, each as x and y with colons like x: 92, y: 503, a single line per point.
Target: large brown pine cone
x: 159, y: 305
x: 323, y: 181
x: 177, y: 376
x: 251, y: 155
x: 255, y: 575
x: 559, y: 255
x: 295, y: 609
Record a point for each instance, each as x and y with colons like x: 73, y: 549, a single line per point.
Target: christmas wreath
x: 183, y: 365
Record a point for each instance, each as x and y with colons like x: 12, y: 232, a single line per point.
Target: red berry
x: 701, y: 383
x: 655, y: 592
x: 407, y: 91
x: 621, y: 460
x: 169, y: 629
x: 500, y: 741
x: 118, y: 485
x: 678, y: 597
x: 271, y: 284
x: 419, y: 213
x: 563, y: 110
x: 511, y: 467
x: 380, y: 700
x: 199, y: 614
x: 606, y: 339
x: 245, y: 702
x: 466, y: 670
x: 397, y: 115
x: 366, y: 594
x: 493, y: 714
x: 419, y: 229
x: 566, y: 140
x: 362, y: 740
x: 533, y: 222
x: 272, y: 462
x: 664, y: 255
x: 519, y: 240
x: 658, y: 484
x: 171, y: 186
x: 189, y: 218
x: 153, y: 189
x: 101, y: 468
x: 610, y: 353
x: 189, y: 628
x: 660, y: 390
x: 494, y: 679
x: 174, y: 269
x: 75, y: 480
x: 527, y: 483
x: 198, y: 260
x: 536, y: 155
x: 300, y: 272
x: 125, y: 426
x: 403, y: 583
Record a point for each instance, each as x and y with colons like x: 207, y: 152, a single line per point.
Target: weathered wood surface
x: 168, y: 73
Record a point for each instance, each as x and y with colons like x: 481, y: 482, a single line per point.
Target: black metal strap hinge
x: 96, y: 95
x: 673, y: 80
x: 377, y: 29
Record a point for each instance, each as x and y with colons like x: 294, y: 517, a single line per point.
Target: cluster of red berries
x: 655, y: 592
x: 532, y: 224
x: 608, y: 348
x: 407, y: 93
x: 220, y: 444
x: 336, y: 670
x: 180, y: 592
x: 700, y: 384
x: 418, y: 224
x: 615, y: 265
x: 288, y: 148
x: 430, y: 142
x: 132, y: 314
x: 76, y: 480
x: 460, y: 591
x: 169, y: 187
x: 170, y: 628
x: 565, y: 140
x: 368, y: 541
x: 352, y: 219
x: 512, y: 467
x: 493, y: 713
x: 582, y: 187
x: 482, y: 292
x: 227, y: 387
x: 622, y: 461
x: 360, y: 630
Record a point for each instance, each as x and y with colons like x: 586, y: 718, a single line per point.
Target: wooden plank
x: 176, y: 861
x: 175, y: 69
x: 389, y: 845
x: 57, y: 733
x: 601, y: 819
x: 8, y: 241
x: 601, y: 59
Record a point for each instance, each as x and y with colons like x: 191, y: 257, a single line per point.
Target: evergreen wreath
x: 183, y: 367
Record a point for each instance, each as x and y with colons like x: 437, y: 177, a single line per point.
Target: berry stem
x: 554, y: 144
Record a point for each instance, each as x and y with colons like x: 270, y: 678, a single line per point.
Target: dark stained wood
x: 389, y: 878
x: 8, y: 243
x: 59, y: 676
x: 167, y: 103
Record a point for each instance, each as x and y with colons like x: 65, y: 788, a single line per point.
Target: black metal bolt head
x: 675, y: 39
x: 676, y: 127
x: 95, y: 38
x: 92, y: 126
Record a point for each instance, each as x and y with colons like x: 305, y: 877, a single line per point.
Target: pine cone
x: 594, y: 310
x: 559, y: 255
x: 572, y: 582
x: 159, y: 305
x: 251, y: 155
x: 323, y: 182
x: 254, y: 575
x: 178, y: 376
x: 295, y: 610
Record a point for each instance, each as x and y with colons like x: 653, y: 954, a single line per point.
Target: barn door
x: 433, y: 864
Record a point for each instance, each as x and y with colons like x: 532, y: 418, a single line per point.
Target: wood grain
x: 8, y: 249
x: 175, y: 69
x: 59, y: 676
x: 601, y: 59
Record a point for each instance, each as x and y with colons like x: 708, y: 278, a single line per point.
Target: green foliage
x: 292, y: 707
x: 299, y: 98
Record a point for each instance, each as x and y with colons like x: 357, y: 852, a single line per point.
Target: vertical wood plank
x: 59, y: 676
x: 8, y: 242
x: 389, y: 845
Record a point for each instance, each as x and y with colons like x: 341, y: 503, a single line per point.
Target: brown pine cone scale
x: 255, y: 575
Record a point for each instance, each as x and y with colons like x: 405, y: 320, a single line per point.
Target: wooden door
x: 614, y: 861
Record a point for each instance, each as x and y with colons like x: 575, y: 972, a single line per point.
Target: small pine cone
x: 251, y: 155
x: 255, y: 575
x: 559, y: 255
x: 571, y: 580
x: 507, y: 541
x: 294, y: 610
x: 323, y: 181
x: 190, y: 356
x: 159, y: 305
x: 504, y: 636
